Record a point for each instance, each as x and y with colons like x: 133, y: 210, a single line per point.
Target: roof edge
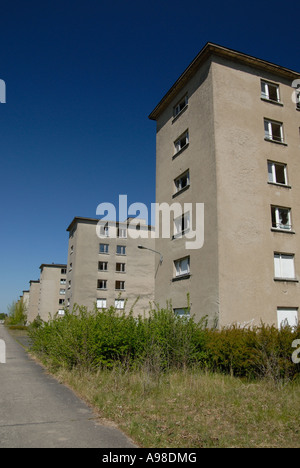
x: 208, y: 50
x: 98, y: 220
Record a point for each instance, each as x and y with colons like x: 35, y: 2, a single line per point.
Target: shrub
x: 103, y: 338
x: 17, y: 314
x: 263, y: 351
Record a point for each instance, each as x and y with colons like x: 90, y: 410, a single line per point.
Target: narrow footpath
x: 36, y: 411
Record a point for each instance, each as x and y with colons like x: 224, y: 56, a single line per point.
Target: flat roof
x: 53, y: 265
x: 97, y: 220
x: 214, y: 49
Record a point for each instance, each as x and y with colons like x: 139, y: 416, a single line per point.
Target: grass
x: 192, y: 409
x: 174, y: 383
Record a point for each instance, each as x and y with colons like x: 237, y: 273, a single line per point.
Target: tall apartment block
x: 228, y: 137
x: 106, y: 267
x: 52, y: 290
x: 33, y: 303
x: 47, y: 295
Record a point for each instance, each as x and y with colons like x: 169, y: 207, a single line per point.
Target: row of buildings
x: 227, y: 155
x: 105, y: 268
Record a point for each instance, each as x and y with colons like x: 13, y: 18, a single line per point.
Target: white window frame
x: 106, y: 248
x: 272, y: 177
x: 180, y: 106
x: 102, y: 284
x: 265, y: 91
x: 120, y: 304
x: 278, y: 212
x: 284, y: 266
x: 182, y: 224
x: 121, y: 284
x: 182, y: 312
x: 178, y: 182
x: 103, y: 264
x: 122, y: 248
x: 287, y: 316
x: 122, y: 233
x: 122, y: 268
x: 62, y: 291
x: 269, y: 131
x: 181, y: 142
x: 101, y: 303
x: 182, y: 267
x: 61, y: 312
x: 63, y: 281
x: 104, y: 230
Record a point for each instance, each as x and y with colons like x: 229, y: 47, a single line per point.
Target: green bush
x: 16, y: 314
x: 161, y: 341
x: 263, y: 351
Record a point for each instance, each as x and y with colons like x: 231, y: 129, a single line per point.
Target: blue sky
x: 81, y: 79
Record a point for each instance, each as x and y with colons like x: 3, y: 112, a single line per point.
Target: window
x: 281, y: 218
x: 69, y: 285
x: 61, y: 312
x: 273, y: 131
x: 182, y: 266
x: 181, y: 142
x: 270, y: 91
x: 104, y: 230
x: 63, y: 281
x: 181, y: 312
x: 71, y: 249
x: 120, y: 285
x: 61, y: 301
x: 119, y: 303
x: 284, y: 266
x: 122, y: 233
x: 120, y: 267
x: 62, y: 291
x: 287, y: 316
x: 121, y: 250
x: 102, y: 284
x: 63, y: 271
x: 277, y: 173
x: 103, y: 248
x: 180, y: 106
x: 102, y: 266
x: 181, y: 225
x: 101, y: 303
x: 71, y: 267
x: 182, y: 182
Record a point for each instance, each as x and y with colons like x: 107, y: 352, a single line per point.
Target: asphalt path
x: 36, y: 411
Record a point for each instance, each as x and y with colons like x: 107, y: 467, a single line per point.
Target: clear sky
x: 81, y: 79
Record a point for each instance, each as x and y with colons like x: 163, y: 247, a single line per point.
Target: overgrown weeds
x: 192, y: 408
x: 162, y: 341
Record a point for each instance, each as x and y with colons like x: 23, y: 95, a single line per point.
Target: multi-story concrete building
x: 52, y: 290
x: 105, y: 266
x: 25, y: 298
x: 33, y: 303
x: 228, y: 137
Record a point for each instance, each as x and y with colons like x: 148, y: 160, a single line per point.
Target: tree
x: 17, y: 313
